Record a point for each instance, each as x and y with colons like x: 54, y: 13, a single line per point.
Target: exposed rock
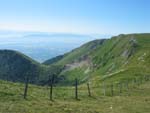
x: 86, y: 62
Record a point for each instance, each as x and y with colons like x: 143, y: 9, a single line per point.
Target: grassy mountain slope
x: 130, y: 58
x: 77, y: 63
x: 123, y: 56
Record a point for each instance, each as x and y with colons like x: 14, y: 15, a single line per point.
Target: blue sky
x: 76, y: 16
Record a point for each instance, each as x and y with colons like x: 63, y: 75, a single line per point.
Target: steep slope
x: 120, y: 57
x: 127, y: 56
x: 123, y: 57
x: 77, y: 63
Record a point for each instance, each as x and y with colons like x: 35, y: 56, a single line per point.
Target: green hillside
x: 119, y: 58
x: 16, y: 67
x: 123, y: 56
x: 127, y: 57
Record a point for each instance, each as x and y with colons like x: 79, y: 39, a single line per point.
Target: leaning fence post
x: 76, y: 89
x: 51, y: 79
x: 26, y: 87
x: 89, y: 91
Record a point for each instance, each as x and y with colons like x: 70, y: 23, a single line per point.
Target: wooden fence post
x: 89, y: 91
x: 26, y: 88
x: 76, y: 89
x: 51, y: 79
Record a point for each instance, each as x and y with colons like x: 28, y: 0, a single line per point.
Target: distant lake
x: 43, y: 47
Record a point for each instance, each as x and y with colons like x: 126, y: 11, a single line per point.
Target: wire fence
x: 103, y: 89
x: 77, y: 91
